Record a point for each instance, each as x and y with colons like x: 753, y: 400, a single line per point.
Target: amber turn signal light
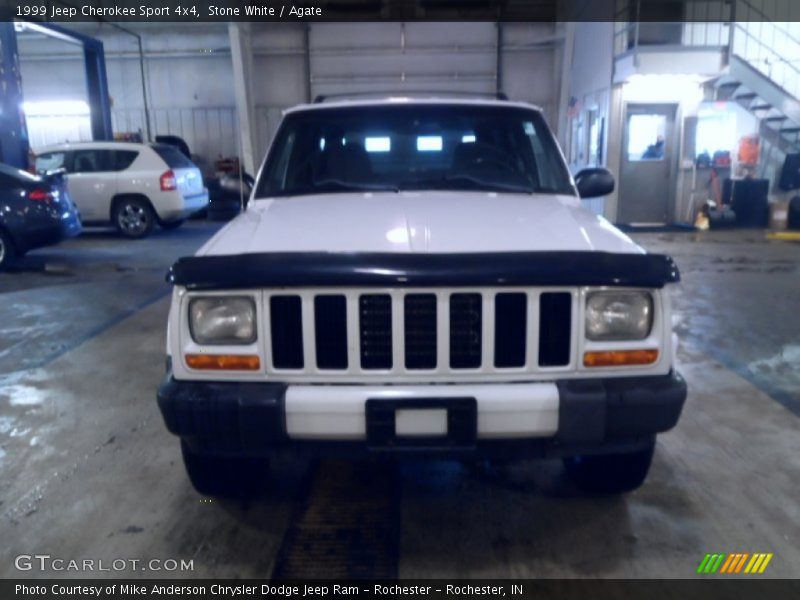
x: 620, y: 358
x: 223, y: 362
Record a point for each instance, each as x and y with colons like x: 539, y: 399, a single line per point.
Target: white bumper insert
x: 337, y: 412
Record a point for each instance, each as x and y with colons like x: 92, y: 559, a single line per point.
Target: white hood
x: 436, y: 222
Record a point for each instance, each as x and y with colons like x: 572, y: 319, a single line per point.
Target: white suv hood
x: 436, y: 222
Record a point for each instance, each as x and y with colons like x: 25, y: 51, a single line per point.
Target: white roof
x: 97, y: 145
x: 410, y: 99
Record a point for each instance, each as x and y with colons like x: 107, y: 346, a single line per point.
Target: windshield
x: 414, y: 147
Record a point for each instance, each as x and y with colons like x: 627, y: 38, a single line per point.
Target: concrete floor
x: 87, y: 469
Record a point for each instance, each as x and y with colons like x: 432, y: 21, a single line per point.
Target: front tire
x: 133, y: 217
x: 610, y: 473
x: 7, y: 251
x: 223, y: 477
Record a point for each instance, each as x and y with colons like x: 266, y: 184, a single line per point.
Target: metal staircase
x: 763, y: 77
x: 762, y: 54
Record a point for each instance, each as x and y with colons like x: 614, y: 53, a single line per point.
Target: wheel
x: 7, y: 252
x: 169, y: 225
x: 133, y: 217
x: 223, y: 477
x: 610, y: 473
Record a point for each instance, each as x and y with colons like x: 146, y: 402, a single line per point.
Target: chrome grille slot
x: 465, y: 331
x: 510, y: 326
x: 420, y: 331
x: 555, y: 331
x: 330, y: 330
x: 375, y: 319
x: 286, y: 324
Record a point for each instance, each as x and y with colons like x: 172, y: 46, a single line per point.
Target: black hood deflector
x: 327, y: 269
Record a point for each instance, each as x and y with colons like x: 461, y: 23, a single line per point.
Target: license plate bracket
x: 462, y: 423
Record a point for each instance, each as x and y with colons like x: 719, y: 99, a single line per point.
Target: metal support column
x: 13, y: 131
x: 97, y: 90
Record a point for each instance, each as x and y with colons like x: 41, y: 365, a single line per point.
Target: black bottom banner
x: 590, y: 589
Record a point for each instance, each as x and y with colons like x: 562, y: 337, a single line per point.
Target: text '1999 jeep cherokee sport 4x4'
x: 418, y: 276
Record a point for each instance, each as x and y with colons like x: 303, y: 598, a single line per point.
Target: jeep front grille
x: 366, y: 332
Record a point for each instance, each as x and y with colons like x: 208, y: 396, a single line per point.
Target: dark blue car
x: 34, y: 212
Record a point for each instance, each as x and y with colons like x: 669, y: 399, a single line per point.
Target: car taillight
x: 40, y: 195
x: 168, y: 182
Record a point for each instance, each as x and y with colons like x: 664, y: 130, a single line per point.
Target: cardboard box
x: 778, y: 215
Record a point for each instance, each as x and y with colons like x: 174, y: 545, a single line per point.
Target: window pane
x: 174, y: 158
x: 49, y: 162
x: 91, y: 161
x: 124, y: 159
x: 646, y: 137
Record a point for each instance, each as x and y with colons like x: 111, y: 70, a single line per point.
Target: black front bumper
x: 595, y: 416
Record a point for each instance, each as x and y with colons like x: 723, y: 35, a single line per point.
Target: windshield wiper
x: 350, y: 186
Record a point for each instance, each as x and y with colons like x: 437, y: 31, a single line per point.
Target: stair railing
x: 767, y: 46
x: 746, y: 30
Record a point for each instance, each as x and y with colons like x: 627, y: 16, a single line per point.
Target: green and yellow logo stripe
x: 734, y: 563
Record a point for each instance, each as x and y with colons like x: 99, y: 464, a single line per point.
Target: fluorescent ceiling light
x: 378, y: 144
x: 429, y: 143
x: 664, y: 88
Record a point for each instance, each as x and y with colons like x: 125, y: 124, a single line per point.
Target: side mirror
x: 593, y: 183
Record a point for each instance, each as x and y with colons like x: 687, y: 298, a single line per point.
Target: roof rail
x: 320, y: 98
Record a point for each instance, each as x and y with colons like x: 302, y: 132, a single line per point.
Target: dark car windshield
x: 414, y: 147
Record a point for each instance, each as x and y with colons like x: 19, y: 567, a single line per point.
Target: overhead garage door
x: 397, y: 57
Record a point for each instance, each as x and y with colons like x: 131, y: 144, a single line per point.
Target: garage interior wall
x: 192, y: 93
x: 188, y: 81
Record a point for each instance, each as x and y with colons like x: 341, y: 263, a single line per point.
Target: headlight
x: 222, y: 320
x: 618, y: 316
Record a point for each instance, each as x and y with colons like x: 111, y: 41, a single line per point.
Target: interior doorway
x: 648, y: 153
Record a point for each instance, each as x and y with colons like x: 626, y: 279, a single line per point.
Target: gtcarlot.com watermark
x: 47, y: 562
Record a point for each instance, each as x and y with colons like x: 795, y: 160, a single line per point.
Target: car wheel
x: 224, y: 477
x: 610, y: 473
x: 169, y: 225
x: 133, y: 217
x: 7, y: 252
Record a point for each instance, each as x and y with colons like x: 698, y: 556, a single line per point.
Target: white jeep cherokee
x: 418, y: 276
